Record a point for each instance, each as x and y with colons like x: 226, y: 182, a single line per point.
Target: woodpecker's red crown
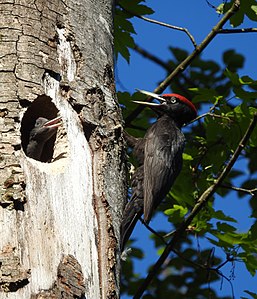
x: 182, y: 99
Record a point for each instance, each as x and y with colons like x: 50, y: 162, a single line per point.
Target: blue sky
x: 141, y: 73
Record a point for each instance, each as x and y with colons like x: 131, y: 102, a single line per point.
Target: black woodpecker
x: 159, y: 156
x: 42, y: 131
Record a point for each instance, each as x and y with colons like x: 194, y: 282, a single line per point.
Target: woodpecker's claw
x: 53, y: 123
x: 151, y: 94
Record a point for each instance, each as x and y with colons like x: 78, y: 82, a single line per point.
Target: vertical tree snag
x: 59, y: 217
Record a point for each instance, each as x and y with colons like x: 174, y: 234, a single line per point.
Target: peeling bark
x: 13, y: 277
x: 69, y: 283
x: 60, y: 219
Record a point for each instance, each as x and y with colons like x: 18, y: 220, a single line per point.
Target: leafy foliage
x: 123, y: 28
x: 226, y: 101
x: 248, y: 8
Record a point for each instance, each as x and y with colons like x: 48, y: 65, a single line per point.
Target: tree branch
x: 186, y: 62
x: 208, y: 193
x: 243, y: 30
x: 169, y: 26
x: 212, y: 115
x: 152, y: 57
x: 252, y: 192
x: 153, y: 231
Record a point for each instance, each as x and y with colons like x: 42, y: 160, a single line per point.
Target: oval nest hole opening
x: 39, y: 127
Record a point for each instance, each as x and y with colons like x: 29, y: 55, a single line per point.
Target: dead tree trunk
x: 60, y: 216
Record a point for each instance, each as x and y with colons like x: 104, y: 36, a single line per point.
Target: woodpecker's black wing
x: 164, y: 144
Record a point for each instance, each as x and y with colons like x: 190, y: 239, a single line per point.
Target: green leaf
x: 253, y: 295
x: 123, y: 28
x: 122, y: 42
x: 253, y: 231
x: 247, y: 8
x: 220, y: 8
x: 135, y: 8
x: 123, y: 23
x: 201, y: 224
x: 179, y: 54
x: 205, y: 65
x: 233, y: 60
x: 176, y: 214
x: 250, y: 8
x: 182, y: 190
x: 254, y: 10
x: 224, y: 227
x: 246, y: 80
x: 233, y: 77
x: 237, y: 19
x: 229, y: 239
x: 204, y: 95
x: 253, y: 138
x: 137, y: 253
x: 160, y: 250
x: 250, y: 262
x: 221, y: 216
x: 244, y: 94
x: 187, y: 157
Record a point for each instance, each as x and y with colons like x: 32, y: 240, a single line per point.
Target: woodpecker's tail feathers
x: 133, y: 211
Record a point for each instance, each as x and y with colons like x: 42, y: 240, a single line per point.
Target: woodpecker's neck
x: 165, y: 129
x: 174, y: 120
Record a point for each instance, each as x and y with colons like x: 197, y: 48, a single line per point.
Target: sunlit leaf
x: 253, y: 295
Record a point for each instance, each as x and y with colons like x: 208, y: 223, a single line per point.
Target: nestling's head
x: 44, y: 129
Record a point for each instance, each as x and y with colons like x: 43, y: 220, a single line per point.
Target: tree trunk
x: 60, y: 216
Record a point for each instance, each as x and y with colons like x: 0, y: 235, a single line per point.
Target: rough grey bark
x: 59, y: 221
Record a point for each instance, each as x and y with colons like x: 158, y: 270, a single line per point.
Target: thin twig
x: 169, y: 26
x: 186, y: 62
x: 153, y: 231
x: 243, y: 30
x: 210, y: 114
x: 180, y: 255
x: 204, y: 198
x: 252, y: 192
x: 223, y: 264
x: 169, y: 234
x: 212, y: 6
x: 152, y: 57
x: 228, y: 280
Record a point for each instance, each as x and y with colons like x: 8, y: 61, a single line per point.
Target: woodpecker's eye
x: 173, y: 100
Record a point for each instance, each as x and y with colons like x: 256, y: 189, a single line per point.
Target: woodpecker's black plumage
x: 160, y: 159
x: 42, y: 131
